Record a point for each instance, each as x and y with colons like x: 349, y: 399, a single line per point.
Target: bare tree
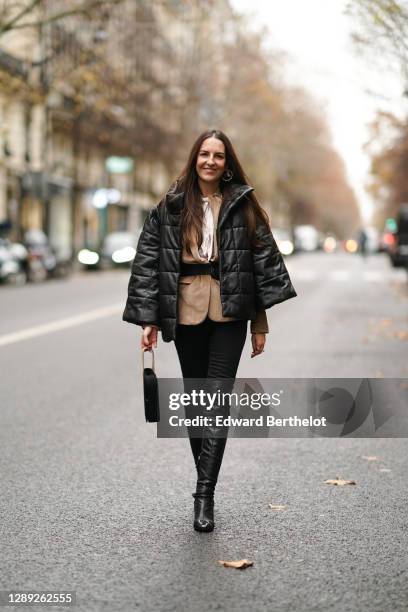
x: 381, y: 31
x: 34, y: 13
x: 388, y: 149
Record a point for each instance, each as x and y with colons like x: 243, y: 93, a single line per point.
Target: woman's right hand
x: 149, y: 337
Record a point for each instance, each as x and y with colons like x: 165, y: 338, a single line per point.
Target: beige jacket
x: 199, y: 295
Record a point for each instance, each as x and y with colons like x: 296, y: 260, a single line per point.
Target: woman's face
x: 211, y: 160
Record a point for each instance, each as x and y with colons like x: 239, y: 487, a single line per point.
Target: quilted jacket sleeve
x: 272, y: 281
x: 142, y: 305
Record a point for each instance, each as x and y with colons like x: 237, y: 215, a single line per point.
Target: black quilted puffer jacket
x: 249, y: 280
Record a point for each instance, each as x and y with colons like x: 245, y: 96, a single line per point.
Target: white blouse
x: 206, y: 248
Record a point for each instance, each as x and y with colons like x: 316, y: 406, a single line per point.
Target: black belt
x: 211, y: 268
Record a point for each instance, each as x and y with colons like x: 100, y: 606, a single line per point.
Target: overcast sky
x: 317, y: 36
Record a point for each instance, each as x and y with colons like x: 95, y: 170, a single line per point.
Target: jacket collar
x: 175, y: 201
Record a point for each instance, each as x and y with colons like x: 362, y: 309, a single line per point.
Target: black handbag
x: 150, y: 392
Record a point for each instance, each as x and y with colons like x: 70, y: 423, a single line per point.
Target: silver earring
x: 227, y: 176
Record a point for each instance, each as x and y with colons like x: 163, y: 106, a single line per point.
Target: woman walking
x: 206, y: 263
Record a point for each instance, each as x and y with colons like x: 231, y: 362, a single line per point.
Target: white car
x: 118, y: 249
x: 306, y: 238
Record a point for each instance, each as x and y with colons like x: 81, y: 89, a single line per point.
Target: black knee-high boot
x: 195, y: 444
x: 195, y: 433
x: 208, y: 467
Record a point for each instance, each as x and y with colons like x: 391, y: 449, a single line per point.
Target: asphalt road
x: 93, y: 502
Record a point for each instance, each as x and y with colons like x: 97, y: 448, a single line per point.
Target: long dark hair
x: 192, y: 216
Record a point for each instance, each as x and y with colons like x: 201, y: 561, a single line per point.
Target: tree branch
x: 84, y: 10
x: 25, y: 11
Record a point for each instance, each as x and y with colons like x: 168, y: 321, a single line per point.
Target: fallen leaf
x: 369, y: 457
x: 379, y: 374
x: 241, y: 564
x: 277, y: 507
x: 340, y: 481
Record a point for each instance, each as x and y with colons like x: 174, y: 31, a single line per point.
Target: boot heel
x: 203, y: 513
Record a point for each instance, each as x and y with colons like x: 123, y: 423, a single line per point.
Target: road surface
x: 93, y: 502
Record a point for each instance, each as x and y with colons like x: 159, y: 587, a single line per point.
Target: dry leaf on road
x: 241, y: 564
x: 340, y: 481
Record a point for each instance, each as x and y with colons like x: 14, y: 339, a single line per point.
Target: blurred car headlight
x: 351, y: 246
x: 329, y: 244
x: 87, y: 257
x: 123, y: 255
x: 285, y: 247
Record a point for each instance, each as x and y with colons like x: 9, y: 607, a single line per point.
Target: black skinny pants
x: 211, y: 349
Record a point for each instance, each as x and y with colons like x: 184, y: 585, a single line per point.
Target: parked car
x: 13, y: 257
x: 306, y: 238
x: 118, y: 249
x: 399, y: 249
x: 42, y: 259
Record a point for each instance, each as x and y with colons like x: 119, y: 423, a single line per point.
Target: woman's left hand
x: 258, y: 344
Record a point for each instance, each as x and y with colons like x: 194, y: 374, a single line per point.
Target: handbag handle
x: 143, y: 354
